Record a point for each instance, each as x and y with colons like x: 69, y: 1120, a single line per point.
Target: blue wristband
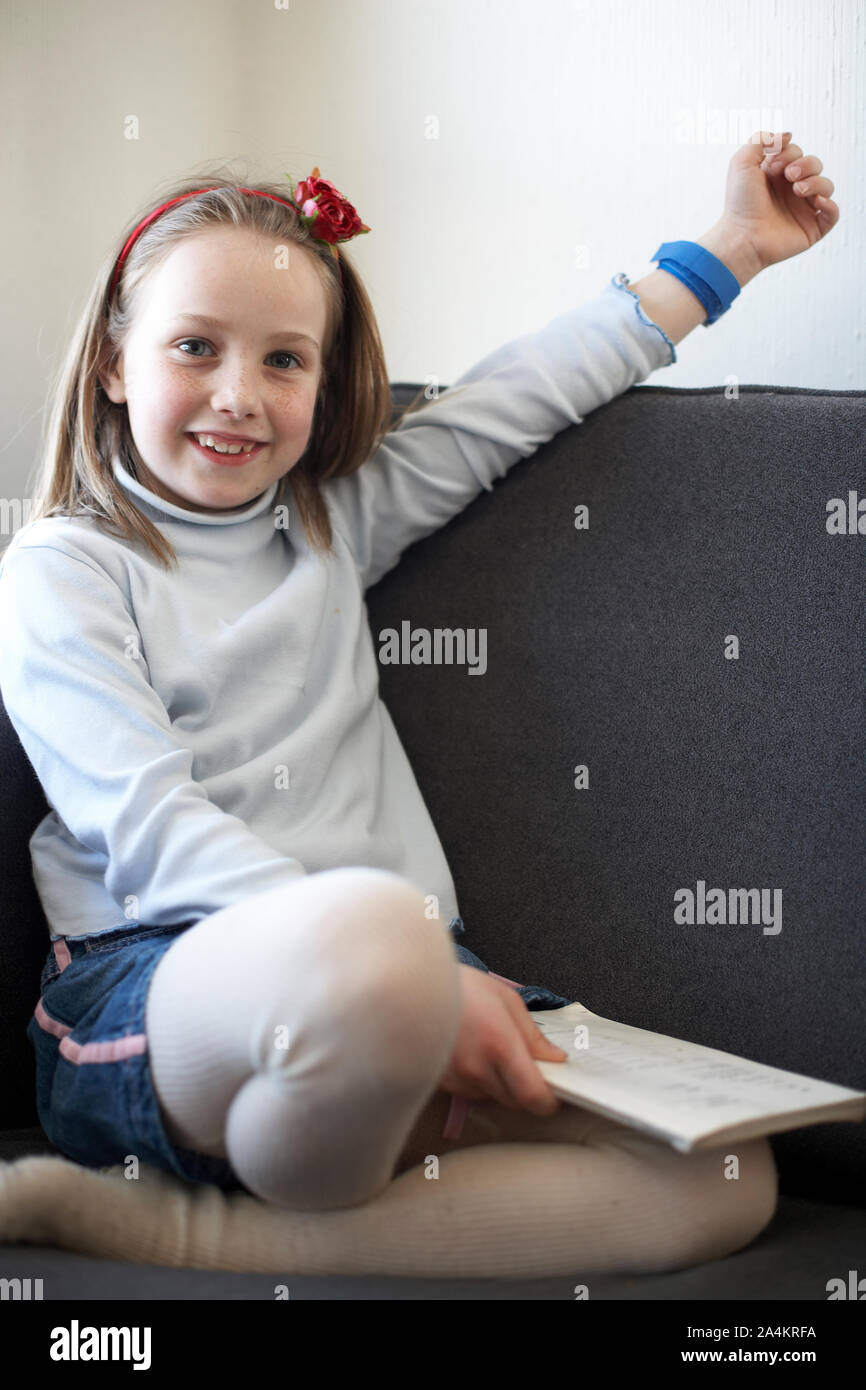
x: 702, y: 272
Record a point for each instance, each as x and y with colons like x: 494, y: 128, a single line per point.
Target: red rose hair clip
x: 328, y: 216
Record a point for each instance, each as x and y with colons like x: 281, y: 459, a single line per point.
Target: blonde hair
x: 85, y: 429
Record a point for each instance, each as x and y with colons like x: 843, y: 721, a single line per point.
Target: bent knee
x: 375, y: 920
x: 374, y: 959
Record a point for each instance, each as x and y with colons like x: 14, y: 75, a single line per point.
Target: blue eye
x: 190, y: 340
x: 281, y: 352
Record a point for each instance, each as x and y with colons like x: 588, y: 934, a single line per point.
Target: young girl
x: 252, y: 980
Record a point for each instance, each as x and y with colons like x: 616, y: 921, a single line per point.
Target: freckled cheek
x: 169, y: 400
x: 180, y: 400
x: 292, y: 412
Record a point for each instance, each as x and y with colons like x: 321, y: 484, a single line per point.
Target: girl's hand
x: 776, y: 198
x: 496, y: 1042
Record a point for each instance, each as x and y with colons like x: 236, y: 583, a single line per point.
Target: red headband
x: 333, y: 217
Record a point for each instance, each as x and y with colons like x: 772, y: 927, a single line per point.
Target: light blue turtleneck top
x: 213, y: 732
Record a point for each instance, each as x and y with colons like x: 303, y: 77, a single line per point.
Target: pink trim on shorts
x: 114, y: 1050
x: 459, y: 1104
x: 61, y: 952
x: 49, y: 1024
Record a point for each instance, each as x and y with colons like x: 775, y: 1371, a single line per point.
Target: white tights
x: 301, y: 1034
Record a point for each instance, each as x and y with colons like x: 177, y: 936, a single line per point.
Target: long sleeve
x: 75, y: 684
x: 499, y: 411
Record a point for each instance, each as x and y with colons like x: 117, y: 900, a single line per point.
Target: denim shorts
x: 94, y: 1090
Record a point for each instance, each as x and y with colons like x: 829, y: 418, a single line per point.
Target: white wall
x: 562, y: 130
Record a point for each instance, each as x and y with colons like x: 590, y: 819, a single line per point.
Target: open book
x: 690, y: 1096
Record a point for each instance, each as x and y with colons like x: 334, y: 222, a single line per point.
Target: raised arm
x: 777, y: 205
x: 499, y: 411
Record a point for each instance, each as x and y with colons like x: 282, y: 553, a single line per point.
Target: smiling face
x: 224, y: 343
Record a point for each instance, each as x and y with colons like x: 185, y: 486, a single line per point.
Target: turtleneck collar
x: 170, y: 509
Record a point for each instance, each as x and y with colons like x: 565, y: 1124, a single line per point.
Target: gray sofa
x: 606, y: 647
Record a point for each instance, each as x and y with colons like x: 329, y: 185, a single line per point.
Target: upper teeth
x: 221, y: 447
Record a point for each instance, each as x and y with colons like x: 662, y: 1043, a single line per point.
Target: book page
x: 670, y: 1085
